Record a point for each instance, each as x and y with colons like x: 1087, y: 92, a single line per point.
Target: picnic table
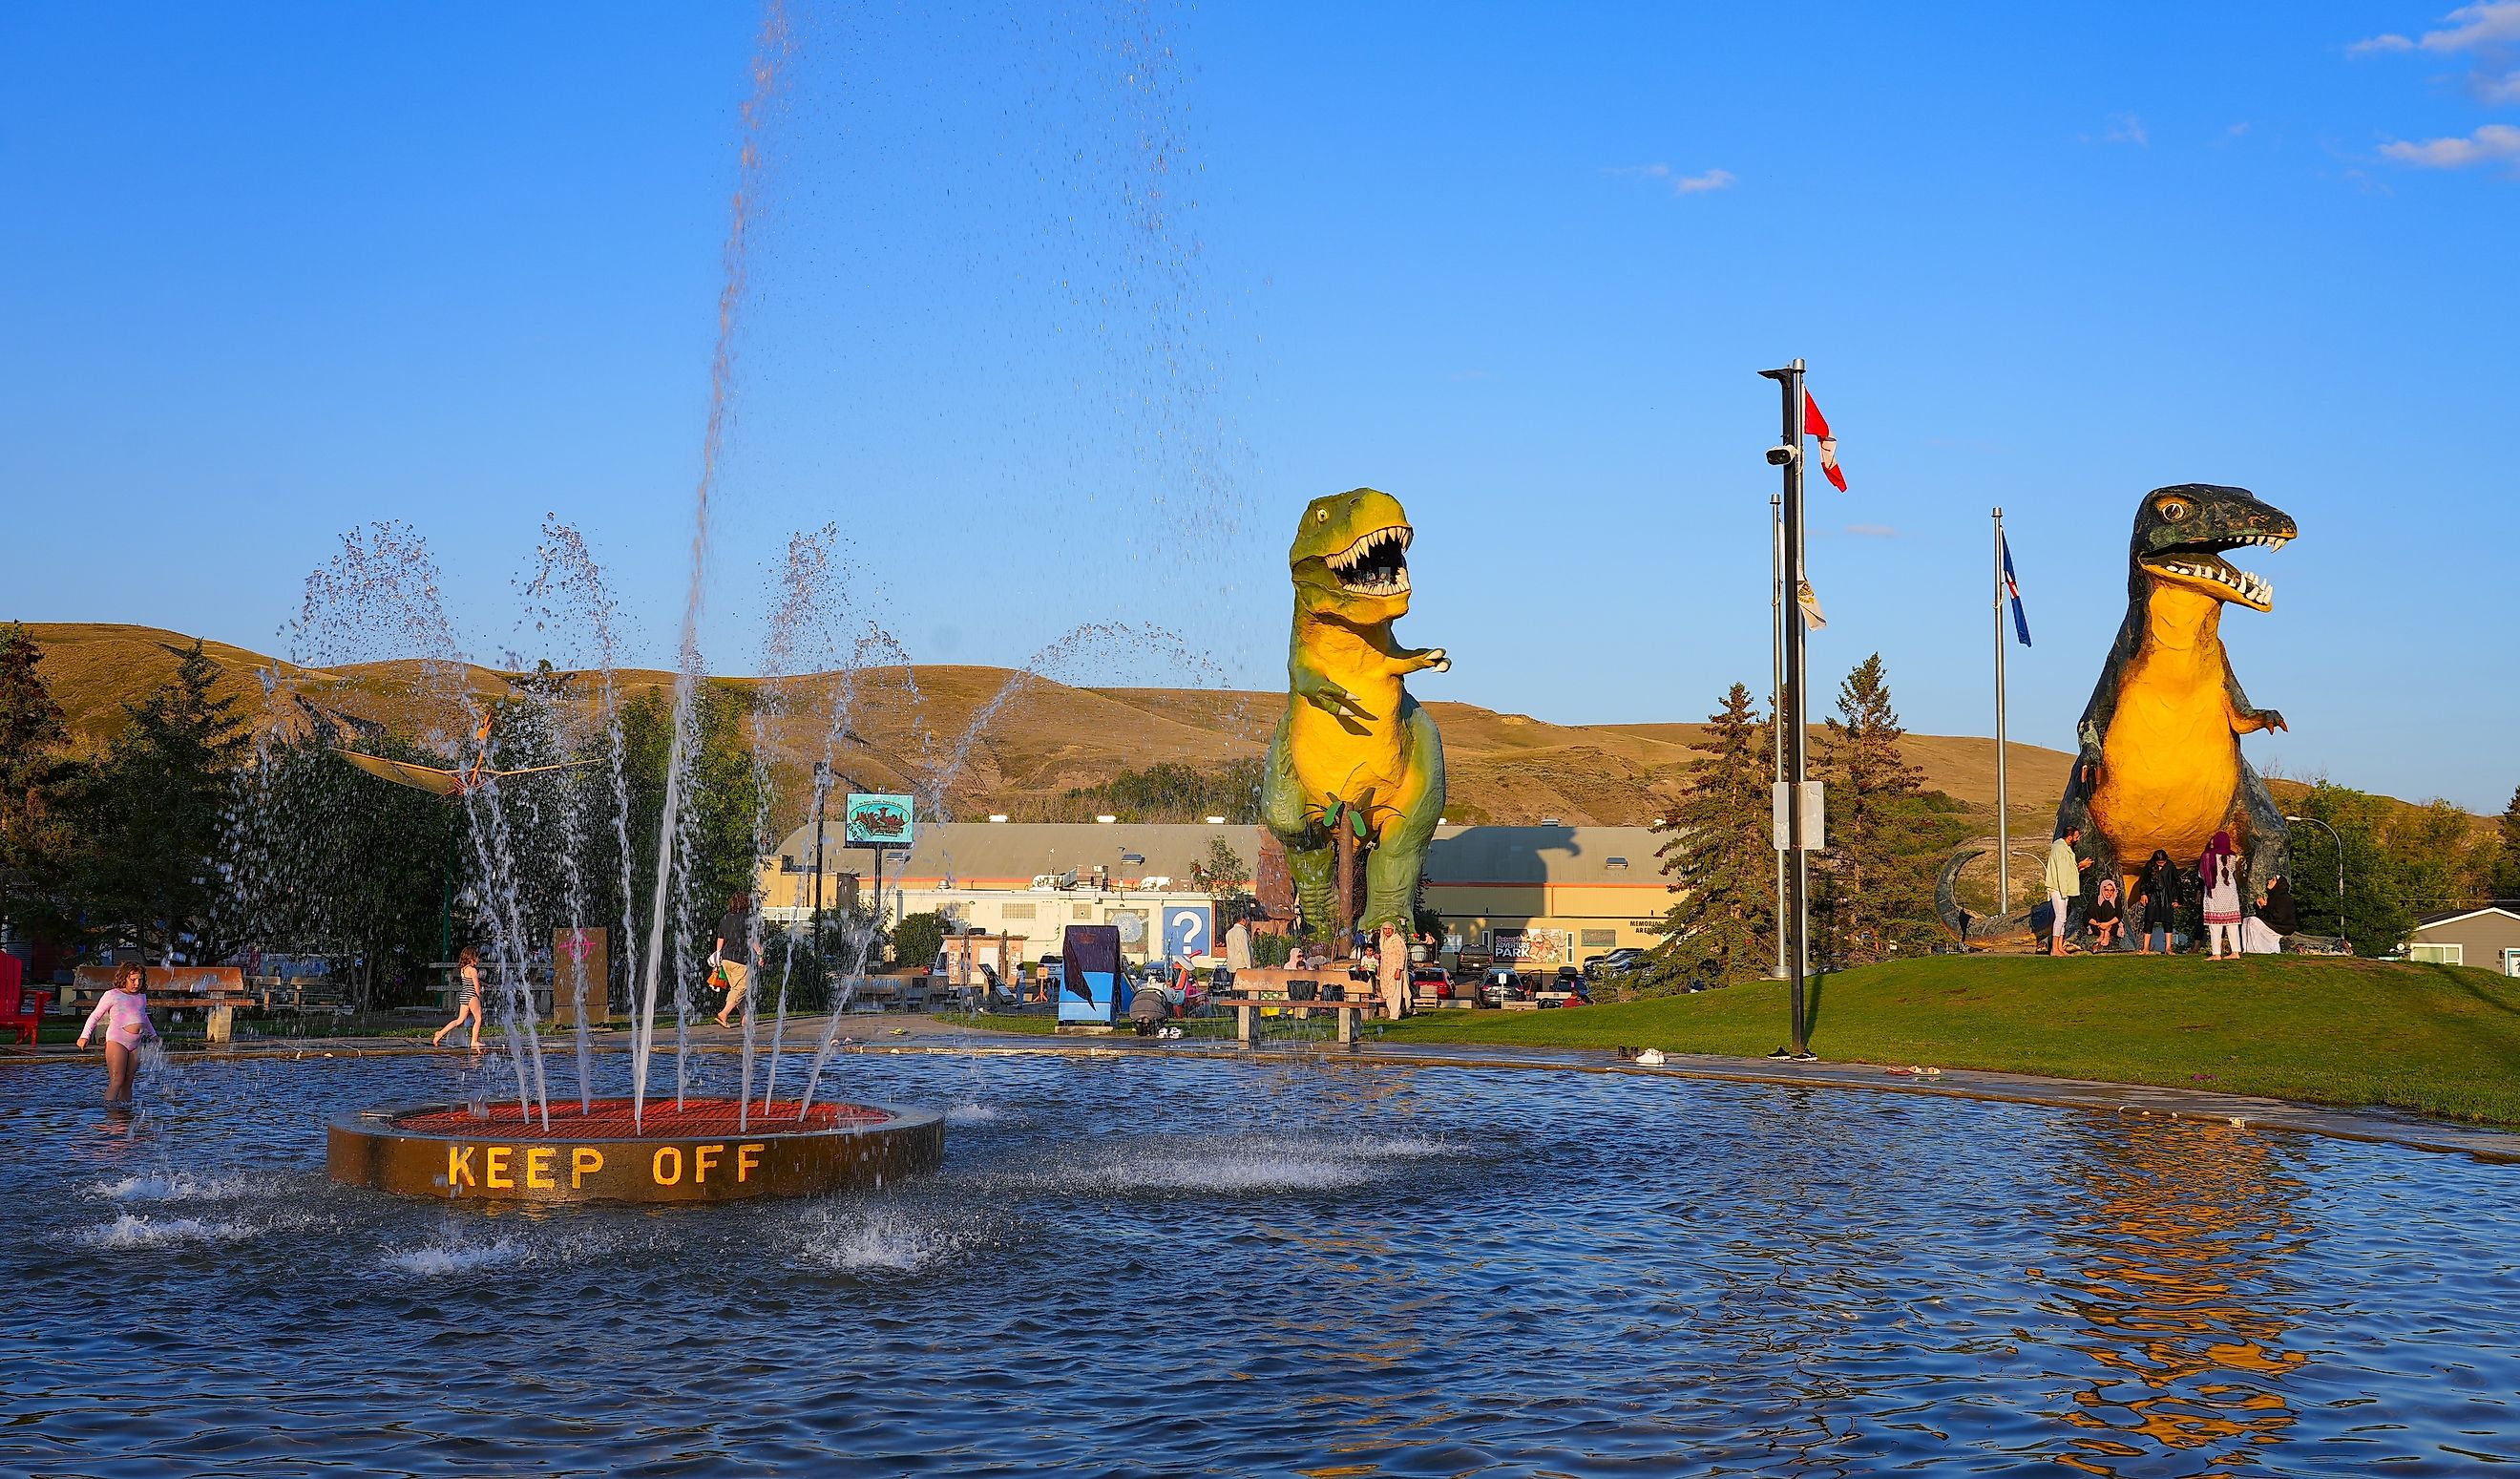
x: 215, y: 991
x: 1290, y: 989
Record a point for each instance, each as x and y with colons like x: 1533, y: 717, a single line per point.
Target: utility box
x: 1090, y: 990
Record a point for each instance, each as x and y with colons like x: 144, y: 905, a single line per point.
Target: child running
x: 124, y: 1011
x: 468, y: 968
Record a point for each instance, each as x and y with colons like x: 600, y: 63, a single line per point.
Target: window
x: 1615, y: 862
x: 1134, y: 859
x: 1021, y: 910
x: 1600, y: 937
x: 2438, y: 955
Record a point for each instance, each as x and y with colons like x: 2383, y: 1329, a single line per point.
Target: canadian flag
x: 1817, y: 425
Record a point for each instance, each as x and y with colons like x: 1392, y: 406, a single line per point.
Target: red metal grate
x: 611, y: 1120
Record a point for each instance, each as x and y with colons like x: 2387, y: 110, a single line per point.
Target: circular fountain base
x: 703, y: 1151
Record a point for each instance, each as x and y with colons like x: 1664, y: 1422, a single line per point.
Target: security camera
x: 1779, y: 457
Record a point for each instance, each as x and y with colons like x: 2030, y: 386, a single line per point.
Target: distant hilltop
x: 1049, y: 738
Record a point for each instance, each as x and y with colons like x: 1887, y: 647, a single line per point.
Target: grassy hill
x: 1045, y: 738
x: 2435, y: 1039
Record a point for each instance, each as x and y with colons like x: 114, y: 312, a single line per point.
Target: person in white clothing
x: 2064, y: 882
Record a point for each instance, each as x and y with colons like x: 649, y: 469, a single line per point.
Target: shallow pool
x: 1137, y: 1264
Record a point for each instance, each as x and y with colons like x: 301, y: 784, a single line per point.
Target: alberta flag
x: 2012, y: 588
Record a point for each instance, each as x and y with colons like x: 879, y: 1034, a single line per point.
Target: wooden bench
x: 215, y: 991
x: 1246, y: 1012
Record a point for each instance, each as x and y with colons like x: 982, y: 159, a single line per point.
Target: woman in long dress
x: 2220, y: 872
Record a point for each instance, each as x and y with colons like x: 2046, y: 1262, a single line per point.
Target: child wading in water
x: 468, y: 968
x: 124, y: 1011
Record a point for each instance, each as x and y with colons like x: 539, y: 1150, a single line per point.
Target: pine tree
x: 1885, y: 830
x: 1720, y: 858
x: 154, y: 810
x: 33, y: 840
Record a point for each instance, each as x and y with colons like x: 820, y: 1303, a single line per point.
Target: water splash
x: 770, y: 50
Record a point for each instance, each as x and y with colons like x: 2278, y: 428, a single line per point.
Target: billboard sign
x: 875, y: 820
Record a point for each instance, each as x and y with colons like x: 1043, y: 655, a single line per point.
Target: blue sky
x: 1062, y: 314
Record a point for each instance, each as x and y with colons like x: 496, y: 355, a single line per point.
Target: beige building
x: 2488, y: 938
x: 1545, y: 896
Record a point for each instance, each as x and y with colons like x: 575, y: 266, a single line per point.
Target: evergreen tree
x: 1720, y: 858
x: 34, y: 841
x: 152, y: 813
x: 1886, y: 833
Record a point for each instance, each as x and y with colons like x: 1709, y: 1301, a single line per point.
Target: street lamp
x: 2340, y: 865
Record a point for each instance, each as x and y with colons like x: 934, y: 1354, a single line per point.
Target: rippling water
x: 1138, y: 1266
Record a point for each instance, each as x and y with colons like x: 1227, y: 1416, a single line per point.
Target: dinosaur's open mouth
x: 1376, y: 564
x: 2201, y: 564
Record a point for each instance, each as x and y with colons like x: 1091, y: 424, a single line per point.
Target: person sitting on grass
x: 2064, y: 882
x: 124, y: 1011
x: 2106, y: 920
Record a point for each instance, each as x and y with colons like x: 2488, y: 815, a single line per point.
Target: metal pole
x: 2002, y: 794
x: 822, y: 795
x: 1777, y: 688
x: 1790, y: 381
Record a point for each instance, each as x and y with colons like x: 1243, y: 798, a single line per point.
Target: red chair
x: 21, y: 1011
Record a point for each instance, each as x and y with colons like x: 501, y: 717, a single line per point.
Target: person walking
x: 2064, y: 882
x: 468, y: 996
x: 735, y: 952
x: 2220, y: 872
x: 2157, y: 896
x: 124, y: 1011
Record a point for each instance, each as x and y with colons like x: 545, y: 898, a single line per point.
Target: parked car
x: 1616, y: 963
x: 1433, y: 982
x: 1567, y: 988
x: 1503, y: 984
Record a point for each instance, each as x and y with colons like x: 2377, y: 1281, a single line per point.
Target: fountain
x: 609, y: 1153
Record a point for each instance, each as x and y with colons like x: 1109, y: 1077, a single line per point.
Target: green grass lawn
x: 2437, y: 1039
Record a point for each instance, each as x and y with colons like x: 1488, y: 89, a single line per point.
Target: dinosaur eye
x: 2174, y: 509
x: 1320, y: 516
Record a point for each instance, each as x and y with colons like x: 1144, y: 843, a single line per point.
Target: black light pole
x: 1790, y: 457
x: 2340, y: 867
x: 822, y: 795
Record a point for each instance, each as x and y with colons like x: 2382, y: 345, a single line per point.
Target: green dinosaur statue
x: 1353, y: 749
x: 2159, y: 762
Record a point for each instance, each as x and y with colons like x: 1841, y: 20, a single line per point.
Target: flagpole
x: 2002, y: 796
x: 1790, y: 457
x: 1777, y: 688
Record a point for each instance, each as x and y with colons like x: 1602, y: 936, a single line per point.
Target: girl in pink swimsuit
x: 124, y: 1011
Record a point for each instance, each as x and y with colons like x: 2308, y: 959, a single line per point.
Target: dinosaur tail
x: 1961, y: 922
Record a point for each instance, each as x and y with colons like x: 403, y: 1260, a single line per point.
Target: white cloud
x: 2470, y: 28
x: 1681, y: 184
x: 2496, y: 92
x: 2489, y: 143
x: 2126, y: 128
x: 1872, y: 530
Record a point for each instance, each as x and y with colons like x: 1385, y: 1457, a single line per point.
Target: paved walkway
x: 920, y: 1034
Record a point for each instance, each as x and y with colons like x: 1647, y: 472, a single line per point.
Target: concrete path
x: 921, y: 1033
